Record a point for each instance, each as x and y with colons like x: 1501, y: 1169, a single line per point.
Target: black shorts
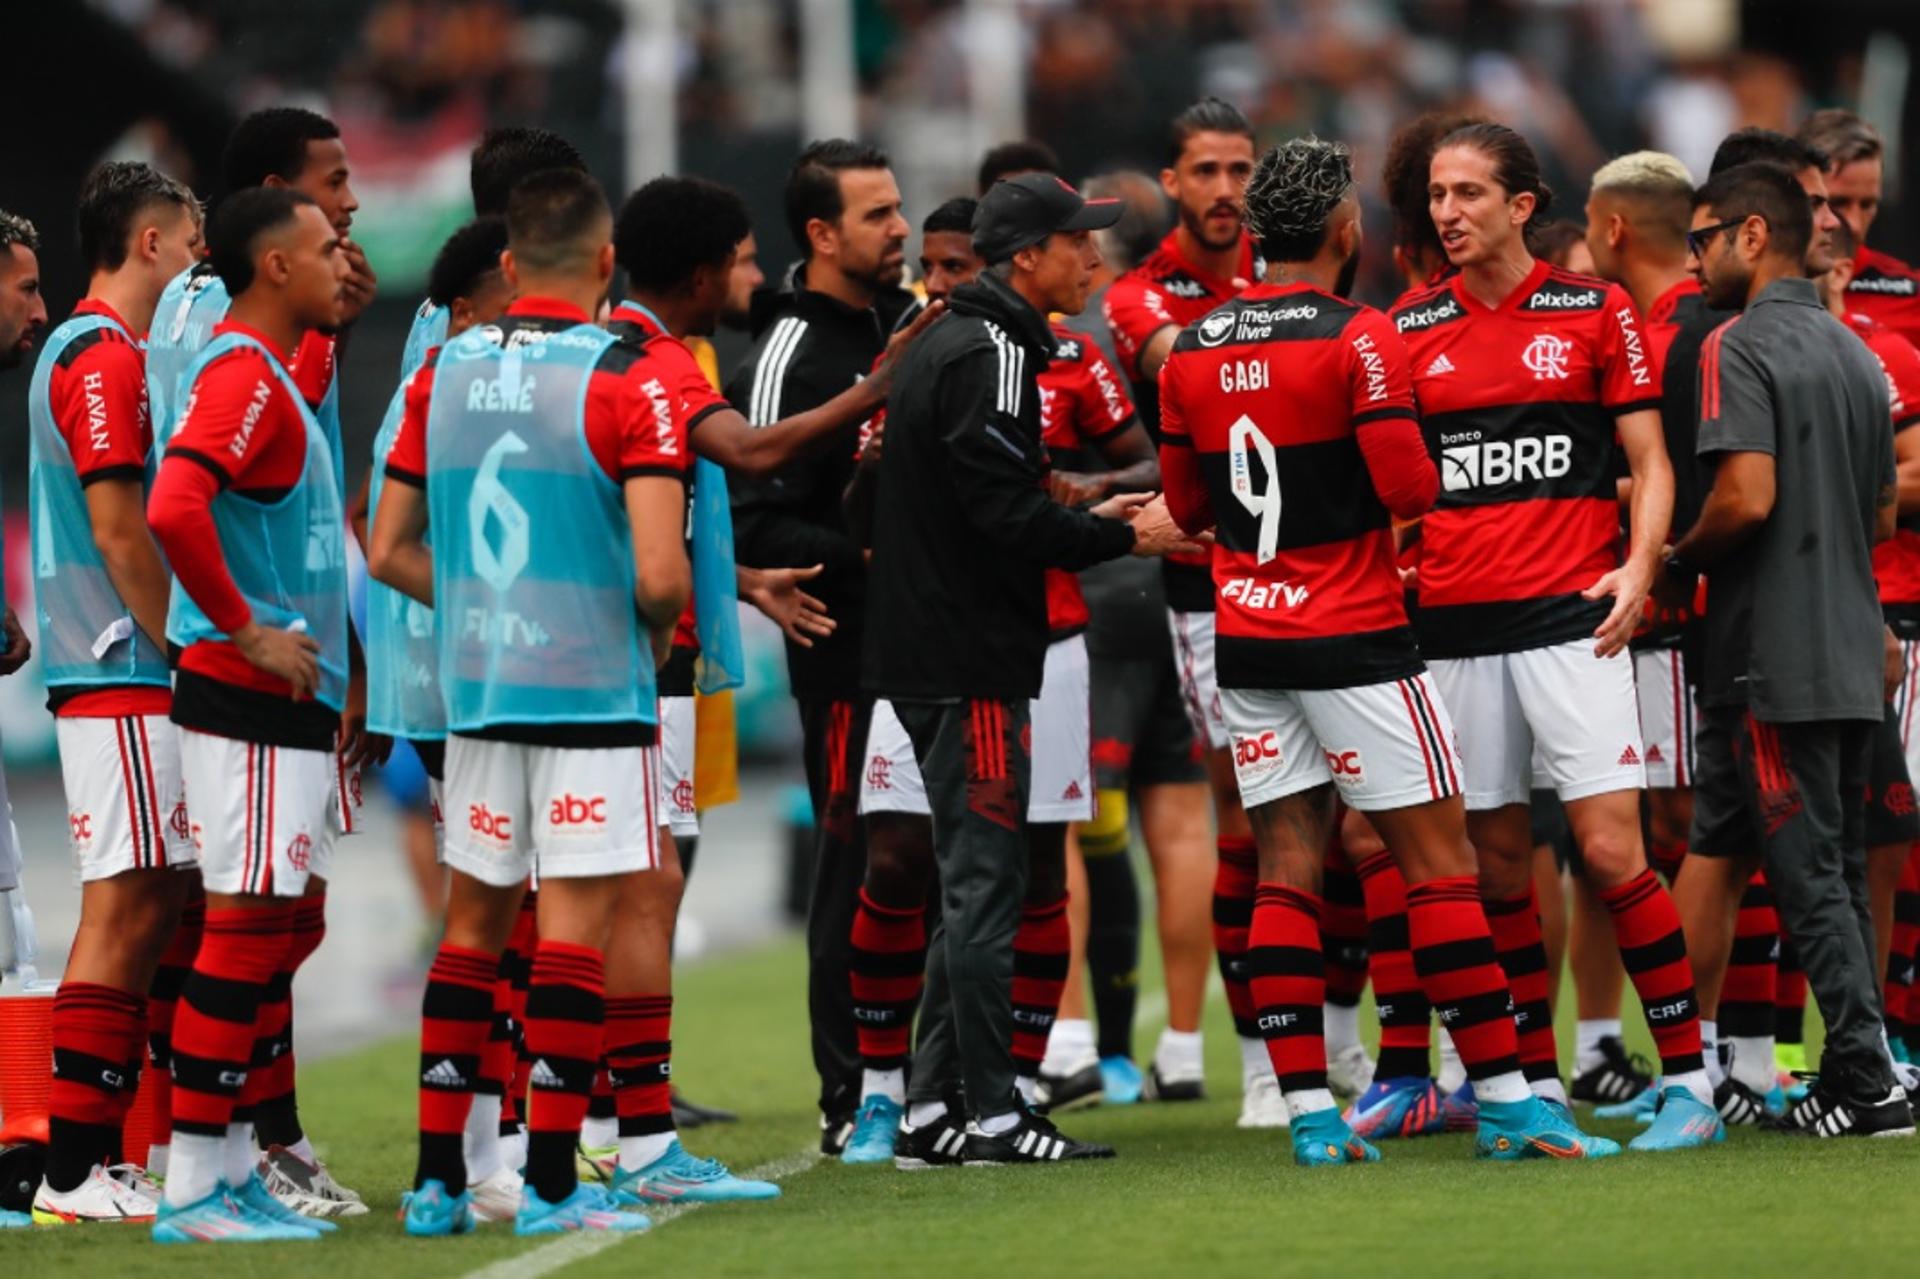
x: 1724, y: 821
x: 1141, y: 733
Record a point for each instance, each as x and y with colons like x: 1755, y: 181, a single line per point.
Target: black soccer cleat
x: 1033, y: 1140
x: 1619, y: 1077
x: 1826, y: 1111
x: 691, y: 1114
x: 938, y: 1143
x: 1159, y: 1088
x: 1058, y: 1092
x: 834, y: 1131
x: 1738, y: 1104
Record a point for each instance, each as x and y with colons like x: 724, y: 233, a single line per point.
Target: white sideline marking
x: 568, y: 1249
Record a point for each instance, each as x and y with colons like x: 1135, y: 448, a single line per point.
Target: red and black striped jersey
x: 1886, y: 289
x: 1168, y: 288
x: 1664, y: 319
x: 1272, y: 393
x: 1896, y: 562
x: 1518, y: 403
x: 1082, y: 402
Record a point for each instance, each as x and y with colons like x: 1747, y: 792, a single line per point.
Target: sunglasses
x: 1697, y: 241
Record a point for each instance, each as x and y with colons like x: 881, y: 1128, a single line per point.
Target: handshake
x: 1154, y: 532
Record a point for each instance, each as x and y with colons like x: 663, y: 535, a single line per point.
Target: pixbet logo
x: 572, y: 810
x: 1468, y: 462
x: 482, y: 820
x: 1546, y: 357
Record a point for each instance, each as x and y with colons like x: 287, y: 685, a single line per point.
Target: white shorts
x: 569, y: 812
x: 263, y: 817
x: 126, y: 803
x: 1062, y: 789
x: 1578, y: 709
x: 1199, y: 685
x: 1666, y: 717
x: 349, y: 798
x: 1383, y: 746
x: 677, y: 739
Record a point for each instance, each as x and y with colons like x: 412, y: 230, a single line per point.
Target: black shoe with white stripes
x: 834, y: 1132
x: 1057, y: 1092
x: 1828, y: 1112
x: 938, y: 1143
x: 1033, y: 1140
x: 1619, y: 1077
x: 1738, y: 1104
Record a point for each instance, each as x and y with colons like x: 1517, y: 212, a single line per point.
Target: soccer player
x: 299, y: 150
x: 404, y: 696
x: 1884, y: 288
x: 535, y: 458
x: 1205, y: 260
x: 248, y: 512
x: 1794, y: 686
x: 1637, y: 212
x: 1523, y: 375
x: 1288, y: 426
x: 102, y: 598
x: 817, y: 337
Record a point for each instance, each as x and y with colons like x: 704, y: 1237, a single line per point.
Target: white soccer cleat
x: 498, y: 1197
x: 101, y: 1197
x: 1350, y: 1071
x: 308, y: 1189
x: 1261, y: 1105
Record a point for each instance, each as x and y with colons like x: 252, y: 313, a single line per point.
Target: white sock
x: 994, y: 1125
x: 1254, y: 1061
x: 1545, y: 1089
x: 1342, y: 1023
x: 1308, y: 1100
x: 922, y: 1113
x: 157, y: 1160
x: 1178, y: 1053
x: 483, y: 1137
x: 237, y: 1163
x: 513, y: 1150
x: 598, y: 1134
x: 1453, y: 1071
x: 1069, y: 1046
x: 638, y: 1152
x: 891, y: 1084
x: 303, y: 1149
x: 1695, y: 1082
x: 1026, y: 1086
x: 1753, y: 1061
x: 1587, y: 1037
x: 196, y: 1165
x: 1507, y: 1086
x: 1710, y: 1051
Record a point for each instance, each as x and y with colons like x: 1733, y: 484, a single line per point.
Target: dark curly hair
x: 671, y: 226
x: 1409, y: 160
x: 1293, y: 192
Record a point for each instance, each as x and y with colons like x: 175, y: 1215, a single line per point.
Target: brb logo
x: 1257, y: 756
x: 1546, y: 357
x: 1469, y: 462
x: 571, y: 810
x: 482, y: 820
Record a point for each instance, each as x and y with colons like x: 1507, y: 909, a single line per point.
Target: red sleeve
x: 1902, y: 363
x: 99, y: 402
x: 1135, y: 311
x: 1180, y: 478
x: 1379, y: 371
x: 1629, y: 380
x: 651, y: 431
x: 1402, y: 470
x: 1109, y: 407
x: 682, y: 372
x: 406, y: 459
x: 312, y: 365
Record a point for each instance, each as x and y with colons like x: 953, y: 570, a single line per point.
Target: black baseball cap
x: 1021, y: 211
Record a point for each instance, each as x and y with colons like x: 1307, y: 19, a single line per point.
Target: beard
x: 1726, y: 289
x: 1197, y: 228
x: 1349, y: 271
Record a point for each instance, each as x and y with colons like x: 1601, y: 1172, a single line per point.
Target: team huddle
x: 1375, y: 623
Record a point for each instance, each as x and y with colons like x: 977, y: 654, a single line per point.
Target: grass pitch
x: 1188, y: 1194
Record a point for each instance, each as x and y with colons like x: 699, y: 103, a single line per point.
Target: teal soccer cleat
x: 1322, y: 1138
x: 219, y: 1217
x: 1684, y: 1122
x: 875, y: 1130
x: 1532, y: 1129
x: 430, y: 1212
x: 587, y: 1208
x: 681, y: 1177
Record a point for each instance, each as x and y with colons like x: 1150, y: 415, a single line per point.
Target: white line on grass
x: 568, y: 1249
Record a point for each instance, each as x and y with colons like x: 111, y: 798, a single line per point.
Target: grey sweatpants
x: 975, y: 759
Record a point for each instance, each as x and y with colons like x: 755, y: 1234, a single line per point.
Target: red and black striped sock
x: 1746, y: 997
x: 456, y: 1016
x: 1343, y: 931
x: 1289, y: 984
x: 1515, y: 927
x: 276, y: 1115
x: 168, y: 979
x: 600, y: 1105
x: 97, y: 1031
x: 566, y: 1016
x: 1233, y: 892
x: 639, y: 1058
x: 1454, y: 956
x: 524, y: 940
x: 1041, y: 948
x: 496, y: 1059
x: 1405, y: 1015
x: 1654, y: 952
x: 887, y: 970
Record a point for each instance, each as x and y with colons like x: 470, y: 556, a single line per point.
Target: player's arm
x: 1143, y: 329
x: 776, y: 593
x: 117, y: 509
x: 662, y: 576
x: 768, y: 529
x: 1155, y: 350
x: 1186, y: 489
x: 1648, y: 520
x: 106, y: 437
x: 1386, y: 425
x: 357, y: 510
x: 397, y: 551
